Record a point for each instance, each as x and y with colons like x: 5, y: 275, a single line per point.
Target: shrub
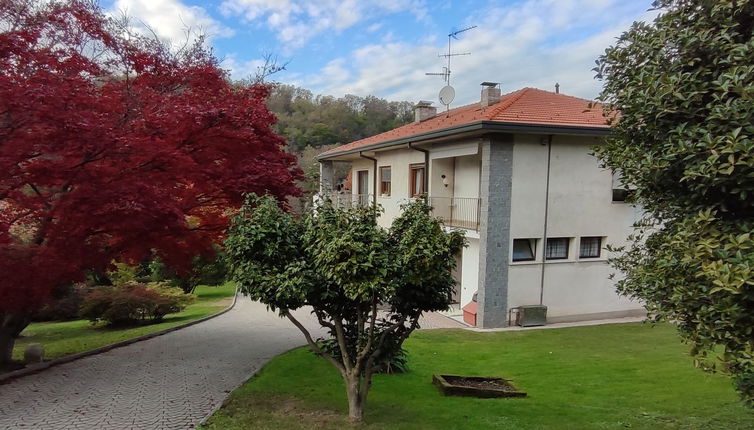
x: 65, y: 305
x: 205, y: 270
x: 132, y: 303
x: 123, y: 273
x: 210, y: 270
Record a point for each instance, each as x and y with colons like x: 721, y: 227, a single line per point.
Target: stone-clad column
x: 326, y: 176
x: 494, y: 230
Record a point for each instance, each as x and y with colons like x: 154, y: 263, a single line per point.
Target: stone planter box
x: 476, y: 386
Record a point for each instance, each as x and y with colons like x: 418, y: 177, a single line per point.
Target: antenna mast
x: 448, y: 93
x: 449, y: 55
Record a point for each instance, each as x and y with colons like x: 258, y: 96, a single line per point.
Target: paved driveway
x: 168, y: 382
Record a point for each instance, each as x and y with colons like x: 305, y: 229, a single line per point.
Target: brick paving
x: 168, y: 382
x: 434, y: 320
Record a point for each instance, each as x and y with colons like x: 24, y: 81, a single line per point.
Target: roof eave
x: 493, y: 126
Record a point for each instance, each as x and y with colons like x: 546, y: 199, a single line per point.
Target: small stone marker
x: 35, y: 353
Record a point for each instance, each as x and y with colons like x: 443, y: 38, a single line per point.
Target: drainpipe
x: 544, y: 229
x: 374, y: 177
x: 426, y: 170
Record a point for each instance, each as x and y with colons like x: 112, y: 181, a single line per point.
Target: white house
x: 515, y: 171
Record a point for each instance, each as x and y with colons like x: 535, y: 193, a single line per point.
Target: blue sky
x: 385, y: 47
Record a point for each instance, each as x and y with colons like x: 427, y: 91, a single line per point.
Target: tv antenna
x: 447, y: 93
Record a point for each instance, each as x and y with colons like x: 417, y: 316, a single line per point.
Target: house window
x: 556, y: 248
x: 523, y: 249
x: 620, y: 192
x: 416, y: 179
x: 621, y: 195
x: 590, y: 247
x: 385, y: 181
x: 363, y: 182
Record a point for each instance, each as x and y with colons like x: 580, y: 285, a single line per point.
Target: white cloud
x: 171, y: 19
x: 297, y: 21
x: 240, y: 69
x: 535, y: 43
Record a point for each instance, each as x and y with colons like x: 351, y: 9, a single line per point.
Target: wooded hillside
x: 313, y: 124
x: 308, y: 120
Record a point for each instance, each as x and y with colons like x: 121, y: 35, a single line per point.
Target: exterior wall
x: 469, y: 270
x: 579, y: 205
x: 400, y: 161
x: 466, y: 176
x: 438, y: 168
x: 494, y: 230
x: 358, y: 165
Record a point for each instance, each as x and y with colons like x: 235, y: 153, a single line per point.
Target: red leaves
x: 111, y: 147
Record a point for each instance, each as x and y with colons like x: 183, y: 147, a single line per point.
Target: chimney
x: 424, y: 110
x: 557, y: 88
x: 490, y: 93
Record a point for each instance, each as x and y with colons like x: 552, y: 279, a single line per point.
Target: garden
x: 62, y: 338
x: 619, y: 376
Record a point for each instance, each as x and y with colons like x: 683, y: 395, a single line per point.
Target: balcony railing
x: 460, y: 212
x: 350, y: 200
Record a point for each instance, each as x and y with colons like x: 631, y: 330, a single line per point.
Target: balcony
x: 350, y: 200
x: 462, y: 212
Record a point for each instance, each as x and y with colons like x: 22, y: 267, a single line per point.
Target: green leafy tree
x: 684, y: 90
x: 306, y: 120
x: 346, y: 268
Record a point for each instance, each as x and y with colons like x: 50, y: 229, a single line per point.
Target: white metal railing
x: 460, y: 212
x: 350, y: 200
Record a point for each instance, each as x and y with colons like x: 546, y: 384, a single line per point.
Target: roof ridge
x: 527, y: 105
x: 507, y: 101
x: 438, y: 115
x: 565, y: 95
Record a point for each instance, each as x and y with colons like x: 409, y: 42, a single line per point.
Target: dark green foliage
x: 65, y: 304
x: 205, y: 270
x: 209, y: 270
x: 343, y: 265
x: 132, y: 303
x: 392, y: 357
x: 316, y: 121
x: 684, y: 87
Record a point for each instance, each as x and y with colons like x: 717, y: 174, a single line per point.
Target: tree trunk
x: 356, y: 402
x: 6, y: 347
x: 11, y: 325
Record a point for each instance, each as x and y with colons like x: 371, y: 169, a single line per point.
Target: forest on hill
x: 316, y: 121
x: 313, y: 124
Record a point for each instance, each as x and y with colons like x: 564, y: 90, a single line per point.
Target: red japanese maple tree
x: 113, y: 147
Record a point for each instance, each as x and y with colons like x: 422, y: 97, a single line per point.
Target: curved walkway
x: 168, y: 382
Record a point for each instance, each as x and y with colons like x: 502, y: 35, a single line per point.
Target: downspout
x: 374, y: 177
x: 426, y: 170
x: 544, y: 229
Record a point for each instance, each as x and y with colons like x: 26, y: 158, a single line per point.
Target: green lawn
x: 618, y: 376
x: 65, y: 338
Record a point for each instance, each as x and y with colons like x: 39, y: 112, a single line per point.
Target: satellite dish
x: 447, y: 94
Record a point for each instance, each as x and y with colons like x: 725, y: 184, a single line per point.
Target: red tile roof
x: 528, y: 106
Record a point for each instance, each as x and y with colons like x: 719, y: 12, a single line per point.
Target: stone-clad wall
x: 494, y: 230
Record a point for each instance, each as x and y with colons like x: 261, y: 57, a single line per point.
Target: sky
x: 386, y: 47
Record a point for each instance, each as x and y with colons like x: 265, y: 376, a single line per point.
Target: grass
x: 70, y: 337
x: 620, y: 376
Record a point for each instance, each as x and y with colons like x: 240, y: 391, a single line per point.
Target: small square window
x: 621, y: 195
x: 590, y: 247
x: 556, y: 248
x: 523, y: 249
